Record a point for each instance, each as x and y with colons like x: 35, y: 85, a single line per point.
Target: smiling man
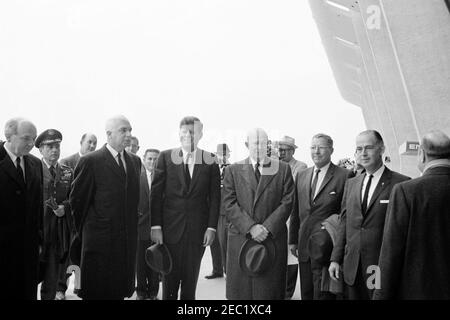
x: 88, y: 144
x: 319, y: 193
x: 363, y: 212
x: 185, y: 200
x: 104, y: 201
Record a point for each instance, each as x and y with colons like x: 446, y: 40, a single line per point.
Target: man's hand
x: 157, y: 236
x: 208, y: 238
x: 60, y: 211
x: 259, y: 233
x: 333, y: 270
x: 293, y: 248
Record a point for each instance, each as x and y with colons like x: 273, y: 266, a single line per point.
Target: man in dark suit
x: 147, y: 280
x: 185, y: 199
x: 104, y: 201
x: 58, y: 225
x: 415, y: 254
x: 258, y: 196
x: 319, y: 194
x: 21, y: 211
x: 88, y: 144
x: 219, y: 246
x: 364, y: 205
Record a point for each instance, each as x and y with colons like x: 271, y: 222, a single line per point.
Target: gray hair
x: 324, y: 136
x: 12, y: 126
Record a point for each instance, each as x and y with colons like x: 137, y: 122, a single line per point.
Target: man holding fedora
x: 258, y: 198
x: 286, y: 150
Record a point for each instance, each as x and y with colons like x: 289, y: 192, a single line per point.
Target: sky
x: 235, y: 64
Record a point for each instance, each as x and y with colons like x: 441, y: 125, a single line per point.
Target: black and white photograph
x: 225, y: 150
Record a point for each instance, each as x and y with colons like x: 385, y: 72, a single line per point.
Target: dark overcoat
x: 104, y: 205
x: 20, y: 227
x: 415, y: 254
x: 247, y: 203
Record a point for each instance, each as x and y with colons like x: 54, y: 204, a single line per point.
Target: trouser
x: 310, y: 282
x: 146, y: 278
x: 186, y: 260
x: 359, y: 289
x: 291, y: 279
x: 222, y: 235
x: 216, y: 256
x: 55, y: 276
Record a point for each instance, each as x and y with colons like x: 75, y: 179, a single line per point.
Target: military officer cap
x: 49, y: 136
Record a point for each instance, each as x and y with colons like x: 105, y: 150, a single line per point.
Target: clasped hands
x: 259, y: 233
x: 208, y: 238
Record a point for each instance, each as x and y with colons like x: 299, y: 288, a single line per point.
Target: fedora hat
x: 289, y: 141
x: 159, y: 259
x: 255, y: 258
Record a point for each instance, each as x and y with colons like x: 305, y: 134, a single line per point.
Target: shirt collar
x: 324, y: 168
x: 79, y: 153
x: 114, y: 152
x: 377, y: 174
x: 436, y: 163
x: 49, y: 165
x: 185, y: 153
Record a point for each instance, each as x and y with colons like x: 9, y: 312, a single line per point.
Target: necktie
x: 366, y: 195
x: 53, y: 172
x: 257, y: 173
x: 19, y: 169
x: 186, y: 170
x: 122, y: 168
x: 314, y: 184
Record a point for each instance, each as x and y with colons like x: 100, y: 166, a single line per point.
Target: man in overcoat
x: 258, y: 198
x: 104, y: 201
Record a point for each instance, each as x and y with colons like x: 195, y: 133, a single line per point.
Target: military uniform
x: 58, y: 231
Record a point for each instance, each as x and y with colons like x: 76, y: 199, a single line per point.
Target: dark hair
x: 150, y: 150
x: 376, y: 134
x: 190, y: 120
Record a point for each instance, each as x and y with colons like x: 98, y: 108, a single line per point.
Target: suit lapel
x: 249, y: 175
x: 177, y: 154
x: 326, y: 179
x: 307, y: 183
x: 29, y: 172
x: 130, y: 167
x: 263, y: 182
x: 112, y: 164
x: 10, y: 168
x: 198, y: 163
x: 359, y: 184
x: 385, y: 180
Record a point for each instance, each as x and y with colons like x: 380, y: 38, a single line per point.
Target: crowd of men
x: 362, y: 233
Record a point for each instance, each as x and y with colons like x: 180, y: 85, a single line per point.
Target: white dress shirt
x: 149, y: 179
x: 191, y: 161
x: 375, y: 179
x: 13, y: 159
x: 114, y: 154
x: 322, y: 173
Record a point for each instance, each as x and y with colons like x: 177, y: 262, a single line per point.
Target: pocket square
x: 384, y: 201
x: 332, y: 192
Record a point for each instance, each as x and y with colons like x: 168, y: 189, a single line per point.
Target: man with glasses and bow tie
x: 21, y: 209
x: 185, y: 200
x: 319, y: 193
x: 104, y: 201
x: 363, y: 212
x: 58, y: 225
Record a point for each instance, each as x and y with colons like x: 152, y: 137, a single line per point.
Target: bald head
x: 88, y: 143
x: 436, y: 145
x: 118, y: 132
x: 20, y: 134
x: 256, y: 143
